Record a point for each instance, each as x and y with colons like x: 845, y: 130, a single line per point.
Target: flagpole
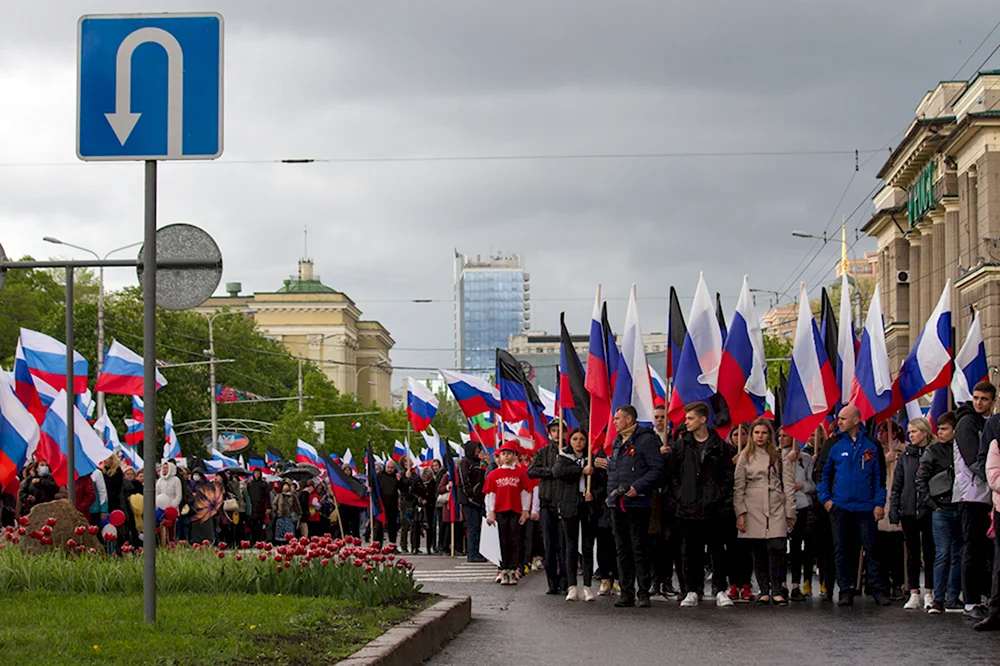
x: 340, y: 517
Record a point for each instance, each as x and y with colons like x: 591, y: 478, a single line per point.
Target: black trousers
x: 995, y: 596
x: 510, y: 532
x: 554, y: 542
x: 256, y: 527
x: 607, y: 558
x: 667, y: 549
x: 919, y: 538
x: 768, y: 564
x: 572, y: 528
x: 847, y: 526
x: 631, y: 529
x: 823, y: 547
x: 801, y: 555
x: 977, y: 556
x: 696, y: 535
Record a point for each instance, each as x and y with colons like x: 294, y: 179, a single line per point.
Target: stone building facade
x: 938, y: 215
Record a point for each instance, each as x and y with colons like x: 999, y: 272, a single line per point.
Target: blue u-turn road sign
x: 149, y: 87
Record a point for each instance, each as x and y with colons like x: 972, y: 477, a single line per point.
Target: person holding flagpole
x: 553, y: 540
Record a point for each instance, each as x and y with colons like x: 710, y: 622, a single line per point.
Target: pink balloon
x: 117, y: 518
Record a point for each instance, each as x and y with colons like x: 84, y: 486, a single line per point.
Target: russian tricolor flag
x: 633, y: 384
x: 133, y: 432
x: 398, y: 451
x: 306, y: 453
x: 970, y: 363
x: 696, y: 376
x: 220, y: 462
x: 19, y: 434
x: 89, y: 450
x: 847, y: 346
x: 107, y: 431
x: 939, y: 405
x: 659, y: 388
x: 743, y: 370
x: 138, y: 409
x: 46, y: 359
x: 34, y: 393
x: 812, y: 386
x: 873, y: 392
x: 421, y: 404
x: 348, y: 461
x: 597, y: 379
x: 928, y: 367
x: 474, y: 395
x: 131, y: 454
x: 172, y: 447
x: 122, y: 372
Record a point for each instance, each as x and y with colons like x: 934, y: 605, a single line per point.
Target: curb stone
x: 418, y: 639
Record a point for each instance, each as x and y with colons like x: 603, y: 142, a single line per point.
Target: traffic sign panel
x: 149, y: 87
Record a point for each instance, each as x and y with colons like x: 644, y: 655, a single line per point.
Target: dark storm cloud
x: 379, y: 79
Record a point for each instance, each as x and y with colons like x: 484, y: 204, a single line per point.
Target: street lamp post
x: 100, y: 304
x: 211, y: 369
x: 357, y: 376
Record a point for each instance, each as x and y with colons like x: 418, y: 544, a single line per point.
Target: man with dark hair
x: 701, y: 486
x: 471, y: 477
x: 852, y: 490
x: 664, y: 541
x: 972, y: 496
x: 634, y: 470
x: 549, y: 490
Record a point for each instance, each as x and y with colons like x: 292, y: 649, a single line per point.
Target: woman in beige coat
x: 764, y: 500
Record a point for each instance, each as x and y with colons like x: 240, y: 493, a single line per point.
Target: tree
x: 776, y: 348
x: 30, y: 299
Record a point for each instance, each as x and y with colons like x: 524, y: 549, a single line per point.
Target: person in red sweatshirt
x: 508, y: 503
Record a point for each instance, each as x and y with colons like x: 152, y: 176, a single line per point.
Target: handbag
x: 942, y: 482
x: 231, y: 505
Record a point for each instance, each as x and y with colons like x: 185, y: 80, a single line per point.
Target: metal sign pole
x: 149, y: 398
x: 70, y: 394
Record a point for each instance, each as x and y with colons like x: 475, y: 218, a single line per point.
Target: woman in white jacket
x: 169, y: 485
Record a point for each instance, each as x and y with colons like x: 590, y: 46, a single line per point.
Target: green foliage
x: 31, y: 299
x: 192, y: 570
x: 775, y: 348
x: 53, y: 629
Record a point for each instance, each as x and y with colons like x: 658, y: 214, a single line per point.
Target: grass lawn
x: 48, y: 628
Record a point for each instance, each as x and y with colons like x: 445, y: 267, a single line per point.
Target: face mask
x: 43, y: 469
x: 196, y: 478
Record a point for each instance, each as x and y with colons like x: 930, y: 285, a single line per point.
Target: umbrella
x: 301, y: 472
x: 207, y: 502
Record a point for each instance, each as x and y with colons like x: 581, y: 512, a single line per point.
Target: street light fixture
x: 100, y: 303
x: 802, y: 234
x: 357, y: 375
x: 211, y: 367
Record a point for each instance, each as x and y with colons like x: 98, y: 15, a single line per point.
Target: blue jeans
x: 846, y: 524
x: 473, y: 524
x: 948, y: 547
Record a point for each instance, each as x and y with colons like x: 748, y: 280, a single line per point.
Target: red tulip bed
x: 331, y: 594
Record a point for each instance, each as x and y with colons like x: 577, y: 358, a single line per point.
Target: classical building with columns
x: 323, y: 325
x: 938, y: 215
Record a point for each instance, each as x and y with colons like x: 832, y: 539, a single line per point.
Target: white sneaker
x: 690, y: 600
x: 928, y: 600
x: 913, y: 603
x: 572, y: 595
x: 588, y: 594
x: 722, y: 600
x: 500, y: 576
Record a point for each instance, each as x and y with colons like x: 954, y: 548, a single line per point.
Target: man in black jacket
x: 260, y: 504
x: 972, y: 496
x: 388, y: 487
x: 634, y: 471
x: 701, y: 481
x: 553, y: 540
x: 471, y: 477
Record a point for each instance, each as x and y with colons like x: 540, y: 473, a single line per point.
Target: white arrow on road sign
x: 123, y: 121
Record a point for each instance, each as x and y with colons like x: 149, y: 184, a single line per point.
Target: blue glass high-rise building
x: 492, y: 300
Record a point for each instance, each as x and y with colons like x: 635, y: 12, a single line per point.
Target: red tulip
x: 21, y: 531
x: 277, y: 558
x: 24, y: 521
x: 222, y: 545
x: 268, y: 547
x: 71, y: 544
x: 110, y: 536
x: 206, y: 542
x: 278, y: 569
x: 244, y: 544
x: 80, y: 530
x: 222, y: 555
x: 324, y: 562
x: 365, y: 577
x: 92, y: 529
x: 357, y: 563
x: 238, y: 557
x: 262, y: 557
x: 51, y: 522
x: 368, y: 568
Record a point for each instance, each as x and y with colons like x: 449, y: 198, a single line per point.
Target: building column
x: 915, y: 313
x: 939, y: 269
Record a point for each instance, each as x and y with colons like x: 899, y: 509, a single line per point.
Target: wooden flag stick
x: 340, y: 518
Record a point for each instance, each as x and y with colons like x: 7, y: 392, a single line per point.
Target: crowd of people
x: 856, y: 512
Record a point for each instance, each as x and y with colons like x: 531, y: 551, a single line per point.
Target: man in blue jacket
x: 852, y: 489
x: 634, y: 471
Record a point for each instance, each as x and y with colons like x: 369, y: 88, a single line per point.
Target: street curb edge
x: 418, y: 639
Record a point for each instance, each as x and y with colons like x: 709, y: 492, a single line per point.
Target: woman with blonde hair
x: 764, y: 500
x: 915, y: 519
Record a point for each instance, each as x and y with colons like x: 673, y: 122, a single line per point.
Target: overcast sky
x: 334, y: 80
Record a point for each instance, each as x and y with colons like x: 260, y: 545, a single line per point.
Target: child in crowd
x: 508, y: 503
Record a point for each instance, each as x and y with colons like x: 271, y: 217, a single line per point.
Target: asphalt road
x: 522, y: 625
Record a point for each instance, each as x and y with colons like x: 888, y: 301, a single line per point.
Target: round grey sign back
x: 185, y: 288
